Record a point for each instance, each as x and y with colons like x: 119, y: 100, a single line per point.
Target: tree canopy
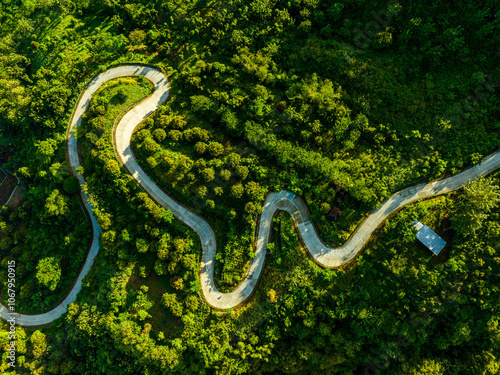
x: 343, y: 103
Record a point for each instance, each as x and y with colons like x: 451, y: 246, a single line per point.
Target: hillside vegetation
x: 343, y: 103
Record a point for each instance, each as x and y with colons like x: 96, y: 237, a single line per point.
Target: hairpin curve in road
x: 283, y: 200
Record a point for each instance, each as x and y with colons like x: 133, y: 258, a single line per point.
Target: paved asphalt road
x: 284, y: 200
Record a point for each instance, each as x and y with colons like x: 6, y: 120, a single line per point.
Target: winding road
x: 285, y: 201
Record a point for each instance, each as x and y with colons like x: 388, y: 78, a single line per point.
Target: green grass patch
x: 113, y: 97
x: 121, y: 93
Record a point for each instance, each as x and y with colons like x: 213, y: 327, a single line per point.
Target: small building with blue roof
x: 429, y: 238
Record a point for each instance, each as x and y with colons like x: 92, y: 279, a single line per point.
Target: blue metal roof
x: 429, y: 238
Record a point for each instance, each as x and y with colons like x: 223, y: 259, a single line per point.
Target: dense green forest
x: 343, y: 103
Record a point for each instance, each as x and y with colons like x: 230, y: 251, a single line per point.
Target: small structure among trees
x: 334, y: 214
x: 429, y: 238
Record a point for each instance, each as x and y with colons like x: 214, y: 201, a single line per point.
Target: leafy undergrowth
x: 164, y: 323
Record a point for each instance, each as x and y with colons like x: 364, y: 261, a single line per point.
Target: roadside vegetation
x: 342, y: 103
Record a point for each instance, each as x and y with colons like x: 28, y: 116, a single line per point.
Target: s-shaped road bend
x: 283, y: 200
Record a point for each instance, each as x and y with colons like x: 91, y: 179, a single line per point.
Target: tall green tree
x: 474, y: 206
